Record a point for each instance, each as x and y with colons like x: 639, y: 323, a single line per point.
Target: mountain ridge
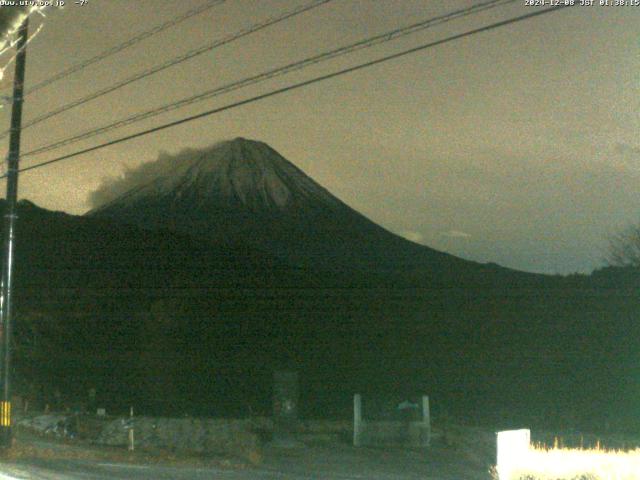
x: 244, y: 189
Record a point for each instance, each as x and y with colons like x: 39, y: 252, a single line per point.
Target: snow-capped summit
x: 243, y: 190
x: 238, y: 173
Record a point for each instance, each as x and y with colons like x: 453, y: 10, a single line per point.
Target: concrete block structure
x: 406, y: 424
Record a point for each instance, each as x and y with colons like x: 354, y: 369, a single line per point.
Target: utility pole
x: 10, y: 217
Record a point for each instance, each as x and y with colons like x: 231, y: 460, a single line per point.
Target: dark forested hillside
x: 175, y: 322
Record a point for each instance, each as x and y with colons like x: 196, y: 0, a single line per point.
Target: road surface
x: 327, y: 462
x: 469, y: 458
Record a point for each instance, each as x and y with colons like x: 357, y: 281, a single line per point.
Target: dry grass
x: 541, y: 463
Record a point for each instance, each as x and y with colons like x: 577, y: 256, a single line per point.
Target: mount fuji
x: 244, y: 191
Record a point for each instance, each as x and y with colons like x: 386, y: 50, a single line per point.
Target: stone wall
x: 239, y: 437
x: 186, y: 434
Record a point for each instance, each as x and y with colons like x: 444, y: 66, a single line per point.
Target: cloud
x: 456, y: 234
x: 412, y: 236
x: 165, y: 166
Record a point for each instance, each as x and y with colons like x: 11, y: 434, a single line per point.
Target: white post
x: 357, y: 419
x: 131, y: 435
x: 512, y: 446
x: 426, y: 420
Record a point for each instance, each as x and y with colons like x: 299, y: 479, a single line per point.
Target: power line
x: 124, y: 45
x: 174, y: 61
x: 361, y: 44
x: 294, y: 87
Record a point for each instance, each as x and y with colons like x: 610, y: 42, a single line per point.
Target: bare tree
x: 624, y: 248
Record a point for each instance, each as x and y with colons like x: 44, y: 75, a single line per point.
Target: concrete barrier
x: 380, y: 432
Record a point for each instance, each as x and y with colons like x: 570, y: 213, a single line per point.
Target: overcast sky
x: 518, y: 146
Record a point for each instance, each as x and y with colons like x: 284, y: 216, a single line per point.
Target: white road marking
x: 123, y: 465
x: 4, y: 476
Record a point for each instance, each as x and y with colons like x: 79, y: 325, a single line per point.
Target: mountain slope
x: 244, y: 190
x: 173, y: 323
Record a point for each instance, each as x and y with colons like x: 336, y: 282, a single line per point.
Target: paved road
x: 295, y: 468
x: 331, y: 462
x: 76, y: 470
